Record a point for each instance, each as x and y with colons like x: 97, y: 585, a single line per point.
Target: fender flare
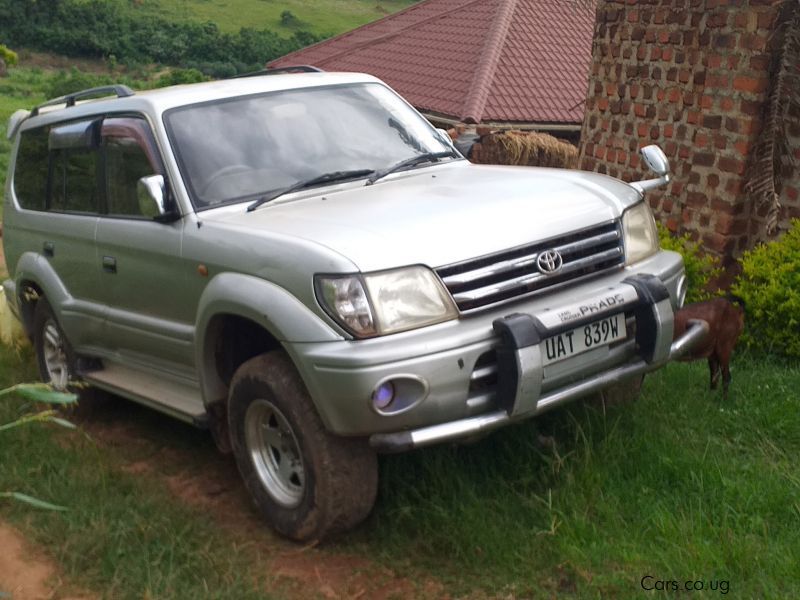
x: 272, y: 307
x: 34, y: 268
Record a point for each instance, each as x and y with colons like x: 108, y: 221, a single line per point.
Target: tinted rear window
x: 56, y: 169
x: 30, y: 175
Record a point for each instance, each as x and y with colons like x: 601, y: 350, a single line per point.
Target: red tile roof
x: 474, y: 60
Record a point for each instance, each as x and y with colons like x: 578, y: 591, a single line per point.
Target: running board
x: 180, y: 400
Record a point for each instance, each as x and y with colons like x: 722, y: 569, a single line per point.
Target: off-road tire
x: 88, y: 397
x: 340, y: 475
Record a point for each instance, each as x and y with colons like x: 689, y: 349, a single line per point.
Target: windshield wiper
x: 410, y: 162
x: 324, y: 178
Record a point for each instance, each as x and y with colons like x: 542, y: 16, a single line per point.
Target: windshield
x: 239, y: 149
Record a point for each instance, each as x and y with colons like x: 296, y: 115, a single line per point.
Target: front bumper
x: 464, y: 428
x: 455, y: 367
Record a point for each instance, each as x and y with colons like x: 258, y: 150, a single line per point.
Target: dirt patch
x: 25, y: 574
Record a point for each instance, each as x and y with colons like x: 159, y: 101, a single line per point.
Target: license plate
x: 578, y: 340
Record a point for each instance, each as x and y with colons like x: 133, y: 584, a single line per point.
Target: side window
x: 30, y: 172
x: 74, y: 167
x: 74, y: 180
x: 129, y: 155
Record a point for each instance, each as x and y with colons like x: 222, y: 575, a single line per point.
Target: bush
x: 288, y: 19
x: 8, y: 56
x: 770, y: 287
x: 700, y: 268
x: 64, y: 83
x: 180, y: 76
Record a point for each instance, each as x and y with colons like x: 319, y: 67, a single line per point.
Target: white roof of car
x: 180, y: 95
x: 162, y: 99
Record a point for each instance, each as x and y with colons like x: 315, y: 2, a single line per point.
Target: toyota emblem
x: 549, y: 262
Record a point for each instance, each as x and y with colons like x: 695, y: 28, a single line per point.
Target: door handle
x: 49, y: 249
x: 109, y: 264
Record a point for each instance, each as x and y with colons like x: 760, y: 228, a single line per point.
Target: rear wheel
x: 307, y: 482
x: 53, y: 352
x: 56, y: 359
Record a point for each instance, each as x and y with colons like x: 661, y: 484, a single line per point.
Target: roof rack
x: 121, y: 91
x: 279, y: 70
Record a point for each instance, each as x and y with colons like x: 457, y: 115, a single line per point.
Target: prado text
x: 652, y: 583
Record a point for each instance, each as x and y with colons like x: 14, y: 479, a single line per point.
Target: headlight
x: 385, y: 302
x: 641, y: 236
x: 346, y: 301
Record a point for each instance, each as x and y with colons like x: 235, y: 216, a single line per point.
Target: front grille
x: 512, y: 274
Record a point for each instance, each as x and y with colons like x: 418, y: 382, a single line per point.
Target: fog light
x: 383, y: 395
x: 397, y: 394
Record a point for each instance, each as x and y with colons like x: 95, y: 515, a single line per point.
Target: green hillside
x: 322, y: 17
x: 220, y: 38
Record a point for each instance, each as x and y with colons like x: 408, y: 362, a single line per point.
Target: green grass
x: 323, y: 17
x: 680, y: 486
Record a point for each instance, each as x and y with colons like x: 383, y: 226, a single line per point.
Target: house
x: 504, y: 64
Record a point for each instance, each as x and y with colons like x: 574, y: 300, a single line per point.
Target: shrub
x: 288, y: 19
x: 74, y: 81
x: 8, y: 56
x: 700, y: 268
x: 180, y: 76
x: 770, y: 287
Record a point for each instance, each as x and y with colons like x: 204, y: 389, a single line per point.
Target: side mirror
x: 151, y: 194
x: 656, y: 161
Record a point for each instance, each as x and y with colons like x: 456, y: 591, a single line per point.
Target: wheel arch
x: 35, y: 278
x: 240, y: 316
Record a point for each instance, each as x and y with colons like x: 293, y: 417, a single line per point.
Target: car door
x: 56, y: 184
x: 141, y: 271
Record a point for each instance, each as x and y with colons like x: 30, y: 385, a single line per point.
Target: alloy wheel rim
x: 275, y: 453
x: 55, y: 356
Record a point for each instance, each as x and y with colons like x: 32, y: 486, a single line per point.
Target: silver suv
x: 302, y: 264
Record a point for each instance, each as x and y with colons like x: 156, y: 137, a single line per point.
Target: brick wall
x: 693, y: 77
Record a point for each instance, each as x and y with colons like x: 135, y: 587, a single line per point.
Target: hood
x: 442, y: 214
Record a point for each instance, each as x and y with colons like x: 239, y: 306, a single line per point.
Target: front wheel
x: 308, y: 483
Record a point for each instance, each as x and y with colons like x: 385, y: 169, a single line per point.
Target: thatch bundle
x: 11, y: 331
x: 774, y: 148
x: 524, y: 148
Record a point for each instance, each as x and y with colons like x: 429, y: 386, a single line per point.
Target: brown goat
x: 725, y: 318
